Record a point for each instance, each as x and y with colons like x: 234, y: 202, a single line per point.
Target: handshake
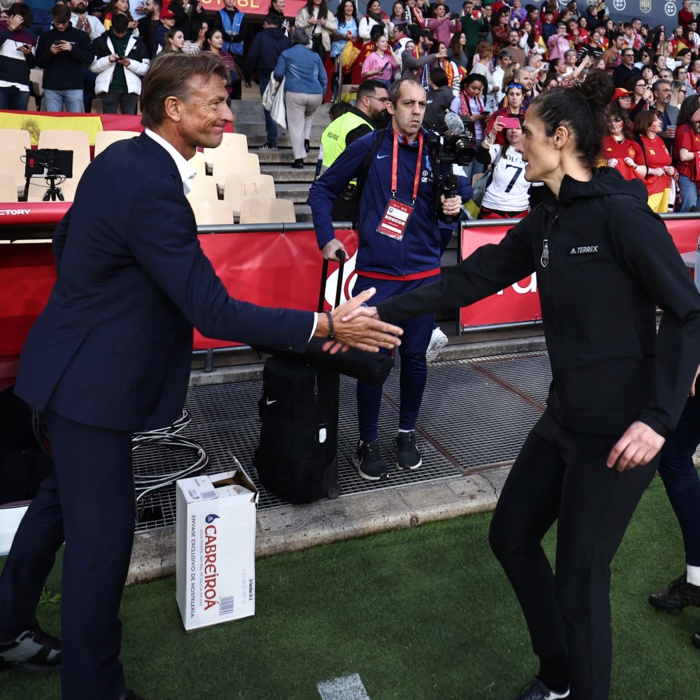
x: 353, y: 325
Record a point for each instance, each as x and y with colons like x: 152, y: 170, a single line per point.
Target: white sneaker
x: 438, y: 340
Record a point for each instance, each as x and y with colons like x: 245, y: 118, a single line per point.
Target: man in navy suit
x: 111, y: 354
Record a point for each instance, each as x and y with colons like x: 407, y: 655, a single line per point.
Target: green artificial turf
x: 418, y: 614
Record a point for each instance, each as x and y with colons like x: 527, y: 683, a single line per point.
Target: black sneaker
x: 307, y: 146
x: 267, y: 147
x: 34, y: 651
x: 369, y: 462
x: 677, y: 596
x: 407, y: 455
x: 537, y: 690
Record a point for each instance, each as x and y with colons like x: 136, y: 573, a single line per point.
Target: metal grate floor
x: 475, y: 414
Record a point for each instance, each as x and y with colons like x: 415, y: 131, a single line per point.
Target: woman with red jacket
x: 686, y: 151
x: 619, y: 150
x: 654, y: 159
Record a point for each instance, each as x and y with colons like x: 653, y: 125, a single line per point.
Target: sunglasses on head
x: 515, y: 85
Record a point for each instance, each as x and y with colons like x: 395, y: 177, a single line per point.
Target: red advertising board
x: 520, y: 303
x: 256, y: 7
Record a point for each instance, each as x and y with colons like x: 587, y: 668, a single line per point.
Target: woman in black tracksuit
x: 604, y: 262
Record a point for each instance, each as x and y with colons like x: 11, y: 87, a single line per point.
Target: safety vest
x: 333, y: 138
x: 232, y: 28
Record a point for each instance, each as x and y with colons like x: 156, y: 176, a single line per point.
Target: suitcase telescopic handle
x: 324, y: 277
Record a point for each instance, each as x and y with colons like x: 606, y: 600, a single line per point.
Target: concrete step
x: 303, y: 212
x: 283, y: 173
x: 284, y: 156
x: 298, y: 192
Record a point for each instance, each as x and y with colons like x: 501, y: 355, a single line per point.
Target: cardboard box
x: 215, y: 548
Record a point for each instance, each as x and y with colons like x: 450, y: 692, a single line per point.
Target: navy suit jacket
x: 113, y: 346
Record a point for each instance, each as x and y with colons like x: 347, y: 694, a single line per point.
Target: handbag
x: 278, y: 111
x: 484, y: 182
x: 370, y: 367
x: 268, y: 96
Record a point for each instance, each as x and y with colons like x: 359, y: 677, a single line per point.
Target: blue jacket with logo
x: 419, y: 251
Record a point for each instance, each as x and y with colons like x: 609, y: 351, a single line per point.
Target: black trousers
x: 562, y: 476
x: 89, y: 500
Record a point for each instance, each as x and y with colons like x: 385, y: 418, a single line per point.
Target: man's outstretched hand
x: 359, y: 331
x: 638, y: 446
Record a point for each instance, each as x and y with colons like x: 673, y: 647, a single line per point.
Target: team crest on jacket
x: 645, y: 6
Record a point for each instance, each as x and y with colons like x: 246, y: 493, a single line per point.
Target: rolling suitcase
x: 297, y: 456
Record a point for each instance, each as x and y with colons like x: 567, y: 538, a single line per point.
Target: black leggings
x: 562, y: 475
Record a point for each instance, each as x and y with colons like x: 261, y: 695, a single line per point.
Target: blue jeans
x: 680, y: 477
x: 55, y: 99
x: 13, y: 98
x: 270, y: 123
x: 689, y: 193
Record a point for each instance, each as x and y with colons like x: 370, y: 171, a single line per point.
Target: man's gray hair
x: 299, y: 36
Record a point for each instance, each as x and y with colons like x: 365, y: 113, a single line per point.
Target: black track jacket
x: 604, y: 261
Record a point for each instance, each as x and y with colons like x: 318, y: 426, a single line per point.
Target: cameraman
x: 399, y: 250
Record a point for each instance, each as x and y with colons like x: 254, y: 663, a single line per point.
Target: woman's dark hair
x: 112, y: 7
x: 690, y: 105
x: 631, y: 82
x: 376, y: 31
x: 530, y: 34
x: 22, y: 9
x: 196, y: 26
x: 322, y: 9
x: 170, y: 76
x: 581, y: 109
x: 455, y: 46
x: 644, y: 120
x: 340, y: 12
x: 206, y: 44
x: 614, y: 111
x: 496, y: 16
x: 474, y: 78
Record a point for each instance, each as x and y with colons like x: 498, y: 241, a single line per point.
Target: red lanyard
x: 394, y: 166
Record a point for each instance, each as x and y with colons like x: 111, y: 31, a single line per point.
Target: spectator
x: 662, y: 104
x: 400, y: 42
x: 513, y: 47
x: 500, y: 29
x: 504, y: 60
x: 641, y: 95
x: 198, y: 35
x: 686, y: 152
x: 473, y: 24
x: 482, y: 65
x: 391, y: 263
x: 121, y: 60
x: 558, y: 44
x: 686, y: 15
x: 277, y: 8
x: 319, y: 24
x: 438, y: 101
x: 149, y: 23
x: 457, y: 51
x: 530, y: 43
x: 655, y: 159
x: 450, y: 68
x: 512, y: 107
x: 187, y: 13
x: 265, y: 49
x: 415, y: 11
x: 231, y: 22
x: 678, y: 92
x: 471, y: 106
x: 375, y: 17
x: 17, y: 57
x: 62, y: 52
x: 507, y: 196
x: 381, y: 63
x: 167, y: 22
x: 417, y: 67
x: 81, y: 20
x: 214, y: 45
x: 347, y: 30
x: 119, y: 7
x: 626, y: 69
x: 398, y: 14
x: 442, y: 25
x: 174, y: 41
x: 619, y: 150
x: 304, y: 88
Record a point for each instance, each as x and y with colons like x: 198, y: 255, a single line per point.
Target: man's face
x: 203, y: 117
x: 375, y: 106
x: 61, y: 26
x: 637, y: 25
x: 527, y: 79
x: 229, y: 4
x: 665, y: 74
x: 506, y: 61
x: 662, y: 94
x: 425, y: 44
x: 619, y: 42
x: 407, y: 116
x: 628, y: 57
x: 78, y: 6
x: 513, y: 38
x: 536, y: 61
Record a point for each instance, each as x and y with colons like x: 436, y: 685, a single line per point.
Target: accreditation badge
x: 395, y: 219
